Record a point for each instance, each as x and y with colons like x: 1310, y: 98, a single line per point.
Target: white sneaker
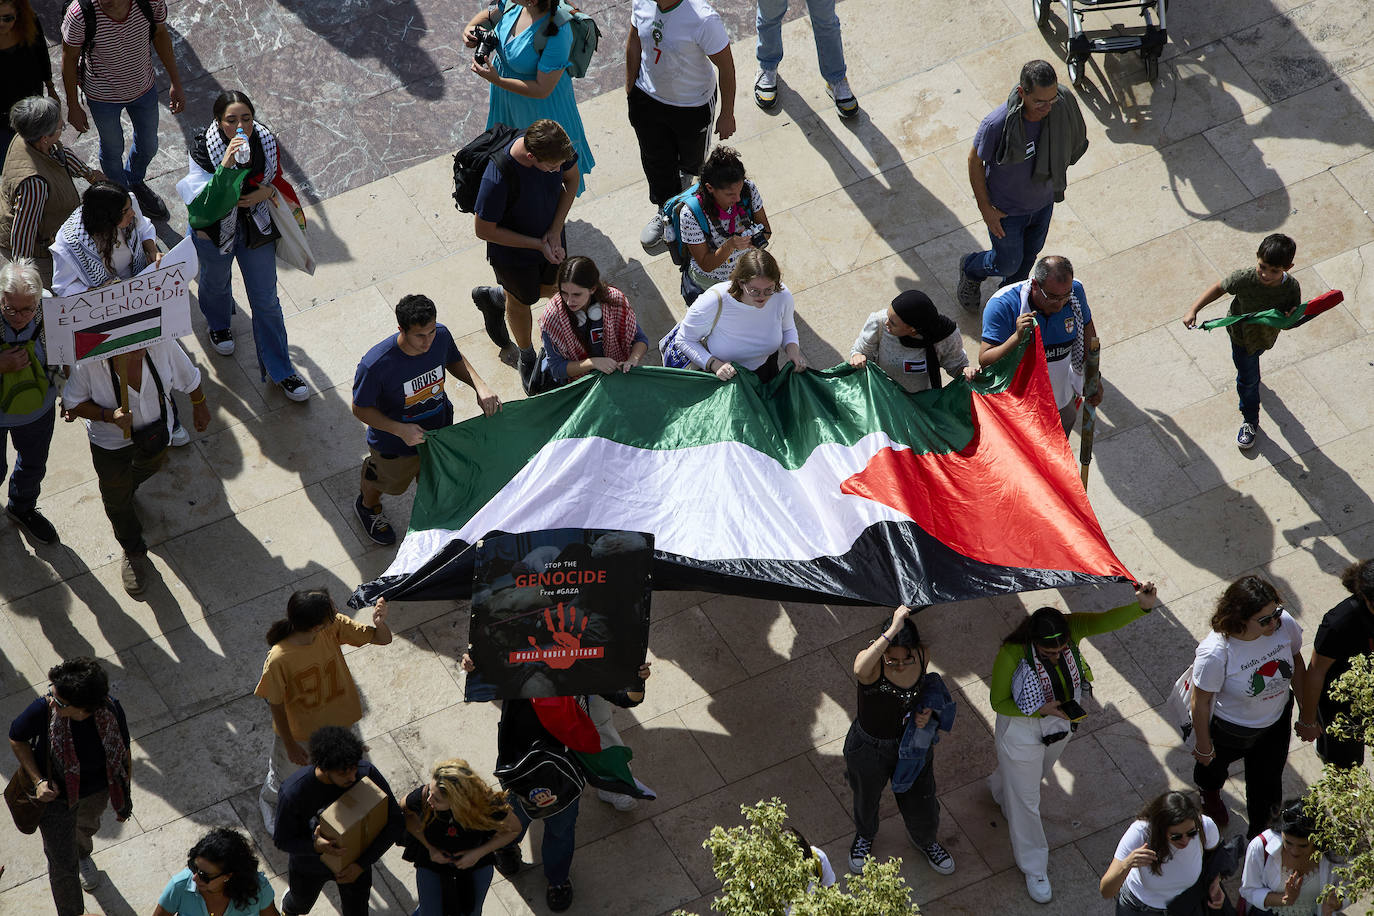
x: 1038, y: 886
x: 180, y: 436
x: 766, y: 89
x: 90, y: 875
x: 621, y: 802
x: 843, y: 96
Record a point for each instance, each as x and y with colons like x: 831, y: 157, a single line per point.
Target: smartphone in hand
x: 1073, y: 710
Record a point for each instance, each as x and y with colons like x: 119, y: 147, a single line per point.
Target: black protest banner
x: 559, y: 613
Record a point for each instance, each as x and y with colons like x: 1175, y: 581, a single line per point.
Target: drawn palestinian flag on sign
x: 97, y: 340
x: 831, y: 486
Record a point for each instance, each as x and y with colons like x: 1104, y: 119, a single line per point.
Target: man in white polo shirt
x: 677, y: 68
x: 107, y: 53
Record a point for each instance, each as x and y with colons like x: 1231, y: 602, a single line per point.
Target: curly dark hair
x: 1358, y: 579
x: 1243, y: 599
x: 230, y: 852
x: 335, y: 748
x: 102, y: 210
x: 81, y: 682
x: 1163, y: 812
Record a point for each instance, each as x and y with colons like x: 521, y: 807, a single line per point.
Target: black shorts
x: 523, y: 281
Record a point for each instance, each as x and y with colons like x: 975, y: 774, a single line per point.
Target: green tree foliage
x: 1342, y: 801
x: 762, y: 873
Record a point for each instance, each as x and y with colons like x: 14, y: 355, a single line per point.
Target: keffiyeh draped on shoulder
x: 207, y: 150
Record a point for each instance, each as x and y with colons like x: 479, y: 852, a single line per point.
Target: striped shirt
x: 32, y: 196
x: 120, y: 66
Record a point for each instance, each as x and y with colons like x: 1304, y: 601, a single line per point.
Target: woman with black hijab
x: 910, y: 340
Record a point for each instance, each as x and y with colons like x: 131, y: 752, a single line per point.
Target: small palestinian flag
x: 97, y: 340
x: 831, y: 486
x: 603, y: 757
x: 1283, y: 320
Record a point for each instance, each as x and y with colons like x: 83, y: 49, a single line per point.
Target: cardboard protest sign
x: 124, y: 316
x: 559, y: 613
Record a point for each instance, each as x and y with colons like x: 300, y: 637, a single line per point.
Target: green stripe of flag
x: 115, y: 343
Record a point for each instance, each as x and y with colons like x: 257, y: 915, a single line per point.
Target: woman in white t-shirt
x: 1159, y: 857
x: 744, y: 320
x: 1242, y: 699
x: 735, y: 223
x: 1285, y: 872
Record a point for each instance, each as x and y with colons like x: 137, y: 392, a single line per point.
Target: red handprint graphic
x: 563, y: 626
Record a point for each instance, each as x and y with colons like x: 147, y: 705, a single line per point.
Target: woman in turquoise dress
x: 526, y: 83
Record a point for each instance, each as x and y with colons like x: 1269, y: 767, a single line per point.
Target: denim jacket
x: 911, y: 753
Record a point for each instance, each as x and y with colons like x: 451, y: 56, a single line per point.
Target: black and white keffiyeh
x: 1031, y: 686
x: 86, y: 253
x: 215, y: 145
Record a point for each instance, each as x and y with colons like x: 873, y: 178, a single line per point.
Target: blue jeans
x: 1013, y: 255
x: 560, y: 838
x: 259, y: 269
x: 825, y: 25
x: 429, y: 887
x: 1247, y: 382
x: 31, y: 443
x: 143, y: 113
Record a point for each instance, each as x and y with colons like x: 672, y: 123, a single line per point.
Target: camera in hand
x: 487, y: 41
x: 758, y: 235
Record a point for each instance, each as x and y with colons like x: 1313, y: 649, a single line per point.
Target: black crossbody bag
x: 154, y: 438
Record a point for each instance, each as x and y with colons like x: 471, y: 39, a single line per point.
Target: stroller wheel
x: 1151, y: 67
x: 1076, y: 71
x: 1041, y: 9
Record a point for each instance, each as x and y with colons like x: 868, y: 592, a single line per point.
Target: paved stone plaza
x: 1262, y: 121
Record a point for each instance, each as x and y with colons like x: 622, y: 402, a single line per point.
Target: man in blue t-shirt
x: 1017, y: 171
x: 398, y: 391
x: 521, y: 207
x: 1056, y: 301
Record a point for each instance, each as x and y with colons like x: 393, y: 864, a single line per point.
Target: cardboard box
x: 353, y: 822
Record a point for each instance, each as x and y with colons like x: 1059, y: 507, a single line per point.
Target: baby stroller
x: 1148, y: 39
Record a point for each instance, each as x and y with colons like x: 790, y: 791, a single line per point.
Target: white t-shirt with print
x: 674, y: 62
x: 1250, y: 678
x: 734, y: 223
x: 1178, y: 873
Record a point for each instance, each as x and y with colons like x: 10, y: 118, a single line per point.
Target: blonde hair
x: 470, y: 800
x: 755, y: 262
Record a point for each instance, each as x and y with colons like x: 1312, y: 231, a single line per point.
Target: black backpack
x: 88, y: 16
x: 544, y: 780
x: 471, y: 161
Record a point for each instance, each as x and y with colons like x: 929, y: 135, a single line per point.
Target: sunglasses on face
x: 206, y: 877
x: 1175, y: 837
x: 61, y: 704
x: 1270, y: 618
x: 899, y: 662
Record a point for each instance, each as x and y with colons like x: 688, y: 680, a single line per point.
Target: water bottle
x: 244, y: 153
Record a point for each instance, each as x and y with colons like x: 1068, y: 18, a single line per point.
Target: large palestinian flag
x: 830, y: 486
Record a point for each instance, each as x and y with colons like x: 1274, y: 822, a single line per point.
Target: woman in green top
x: 1038, y: 671
x: 229, y: 193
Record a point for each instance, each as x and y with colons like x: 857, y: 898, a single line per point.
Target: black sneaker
x: 223, y: 342
x: 375, y: 523
x: 1245, y: 440
x: 508, y: 860
x: 559, y: 896
x: 148, y: 201
x: 939, y: 858
x: 491, y: 302
x: 295, y: 388
x: 970, y: 293
x: 859, y: 851
x: 32, y: 521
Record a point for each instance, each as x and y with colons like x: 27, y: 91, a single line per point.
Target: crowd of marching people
x: 66, y: 227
